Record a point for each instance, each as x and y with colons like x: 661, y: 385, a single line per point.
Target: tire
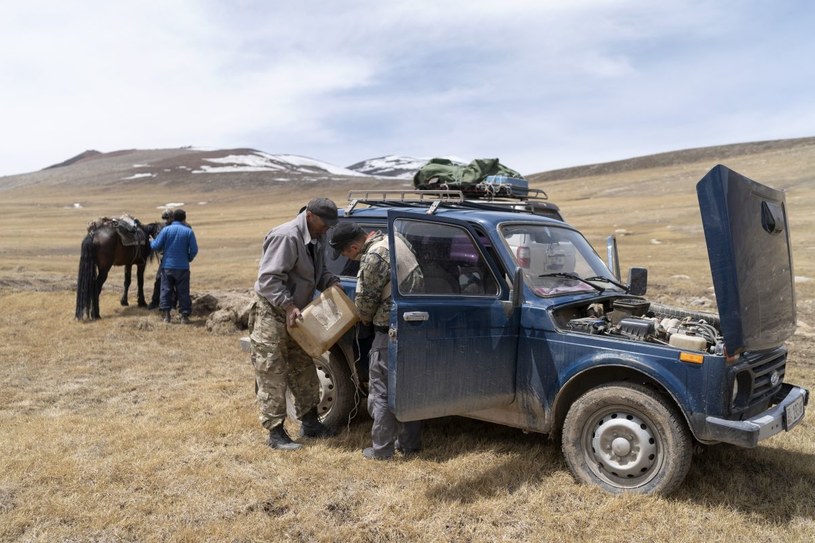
x: 625, y: 438
x: 338, y: 393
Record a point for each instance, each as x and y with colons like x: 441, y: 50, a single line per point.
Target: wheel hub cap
x: 624, y: 445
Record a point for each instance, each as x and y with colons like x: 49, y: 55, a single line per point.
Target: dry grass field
x: 128, y: 429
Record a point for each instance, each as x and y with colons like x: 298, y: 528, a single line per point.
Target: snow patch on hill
x: 264, y: 162
x: 398, y: 166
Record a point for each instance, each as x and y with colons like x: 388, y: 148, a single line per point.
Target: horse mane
x: 151, y: 230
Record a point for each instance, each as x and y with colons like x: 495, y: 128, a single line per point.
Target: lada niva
x: 521, y: 323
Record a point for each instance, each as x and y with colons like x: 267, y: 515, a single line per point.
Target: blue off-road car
x: 521, y: 323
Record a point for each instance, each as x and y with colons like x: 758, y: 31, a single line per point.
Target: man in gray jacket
x: 291, y: 268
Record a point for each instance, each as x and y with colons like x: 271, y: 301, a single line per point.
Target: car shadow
x: 771, y: 482
x: 515, y: 458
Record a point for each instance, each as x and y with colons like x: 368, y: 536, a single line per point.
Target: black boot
x: 279, y: 439
x: 312, y: 427
x: 165, y: 316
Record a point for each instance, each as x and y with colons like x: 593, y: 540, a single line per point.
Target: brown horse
x: 104, y: 248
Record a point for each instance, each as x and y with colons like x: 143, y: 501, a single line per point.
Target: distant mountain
x: 233, y: 161
x: 713, y: 154
x: 203, y: 167
x: 213, y: 169
x: 81, y: 156
x: 400, y: 167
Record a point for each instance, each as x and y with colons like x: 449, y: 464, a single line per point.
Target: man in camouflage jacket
x: 373, y: 301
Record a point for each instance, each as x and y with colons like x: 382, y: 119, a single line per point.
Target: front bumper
x: 747, y: 433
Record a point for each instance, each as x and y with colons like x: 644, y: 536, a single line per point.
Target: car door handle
x: 415, y: 316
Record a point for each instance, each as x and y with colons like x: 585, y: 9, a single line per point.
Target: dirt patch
x: 226, y: 312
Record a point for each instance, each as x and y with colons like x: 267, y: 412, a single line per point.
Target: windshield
x: 557, y: 261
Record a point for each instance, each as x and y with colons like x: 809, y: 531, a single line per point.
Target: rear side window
x: 450, y: 260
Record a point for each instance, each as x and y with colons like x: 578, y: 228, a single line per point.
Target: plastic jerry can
x: 324, y: 320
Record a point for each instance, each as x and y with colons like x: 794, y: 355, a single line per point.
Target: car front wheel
x: 624, y: 437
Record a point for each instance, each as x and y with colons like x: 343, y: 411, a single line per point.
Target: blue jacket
x: 178, y: 243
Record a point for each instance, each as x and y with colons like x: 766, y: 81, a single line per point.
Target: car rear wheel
x: 338, y: 393
x: 624, y: 437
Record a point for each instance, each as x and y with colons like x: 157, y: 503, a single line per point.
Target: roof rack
x: 411, y: 198
x: 432, y: 199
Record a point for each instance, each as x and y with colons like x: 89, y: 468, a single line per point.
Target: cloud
x: 550, y: 84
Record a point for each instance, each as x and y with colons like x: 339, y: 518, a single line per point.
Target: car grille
x: 757, y: 371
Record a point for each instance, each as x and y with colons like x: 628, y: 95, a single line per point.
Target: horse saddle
x: 128, y: 228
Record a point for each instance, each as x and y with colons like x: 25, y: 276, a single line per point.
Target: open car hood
x: 748, y: 244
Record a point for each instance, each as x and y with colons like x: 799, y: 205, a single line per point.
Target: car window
x: 450, y: 260
x: 555, y: 259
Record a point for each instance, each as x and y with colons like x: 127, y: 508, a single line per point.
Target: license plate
x: 793, y: 413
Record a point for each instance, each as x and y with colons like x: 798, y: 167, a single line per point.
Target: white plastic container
x: 696, y: 343
x: 324, y: 321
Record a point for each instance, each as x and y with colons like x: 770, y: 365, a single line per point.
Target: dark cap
x: 344, y: 234
x: 325, y: 209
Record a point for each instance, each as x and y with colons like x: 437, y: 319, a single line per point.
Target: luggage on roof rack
x: 442, y: 173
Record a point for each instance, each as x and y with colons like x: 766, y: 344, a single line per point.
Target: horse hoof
x: 124, y: 303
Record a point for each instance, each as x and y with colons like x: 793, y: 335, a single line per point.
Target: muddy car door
x: 454, y: 338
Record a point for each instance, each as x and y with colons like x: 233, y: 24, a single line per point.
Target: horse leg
x: 100, y: 282
x: 128, y: 269
x: 140, y: 284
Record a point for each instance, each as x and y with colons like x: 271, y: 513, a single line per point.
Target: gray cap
x: 344, y: 234
x: 325, y: 209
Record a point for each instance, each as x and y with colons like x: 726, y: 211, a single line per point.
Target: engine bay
x: 637, y: 319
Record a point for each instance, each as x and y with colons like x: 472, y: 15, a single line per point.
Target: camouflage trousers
x: 280, y: 363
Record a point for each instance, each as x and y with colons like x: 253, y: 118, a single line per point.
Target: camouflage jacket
x: 373, y: 297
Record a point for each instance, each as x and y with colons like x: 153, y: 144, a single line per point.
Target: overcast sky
x: 541, y: 84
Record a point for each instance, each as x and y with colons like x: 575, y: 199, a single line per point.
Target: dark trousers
x: 175, y: 285
x: 154, y: 301
x: 386, y: 428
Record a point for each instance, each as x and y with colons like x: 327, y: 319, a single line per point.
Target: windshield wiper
x: 607, y: 280
x: 566, y: 275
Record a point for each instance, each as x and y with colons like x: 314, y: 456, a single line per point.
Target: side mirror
x: 637, y: 281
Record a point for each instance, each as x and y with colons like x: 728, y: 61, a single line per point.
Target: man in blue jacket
x: 177, y: 241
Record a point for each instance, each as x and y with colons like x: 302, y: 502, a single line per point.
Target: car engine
x: 639, y: 320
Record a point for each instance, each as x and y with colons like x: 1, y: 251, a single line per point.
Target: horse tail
x: 86, y: 281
